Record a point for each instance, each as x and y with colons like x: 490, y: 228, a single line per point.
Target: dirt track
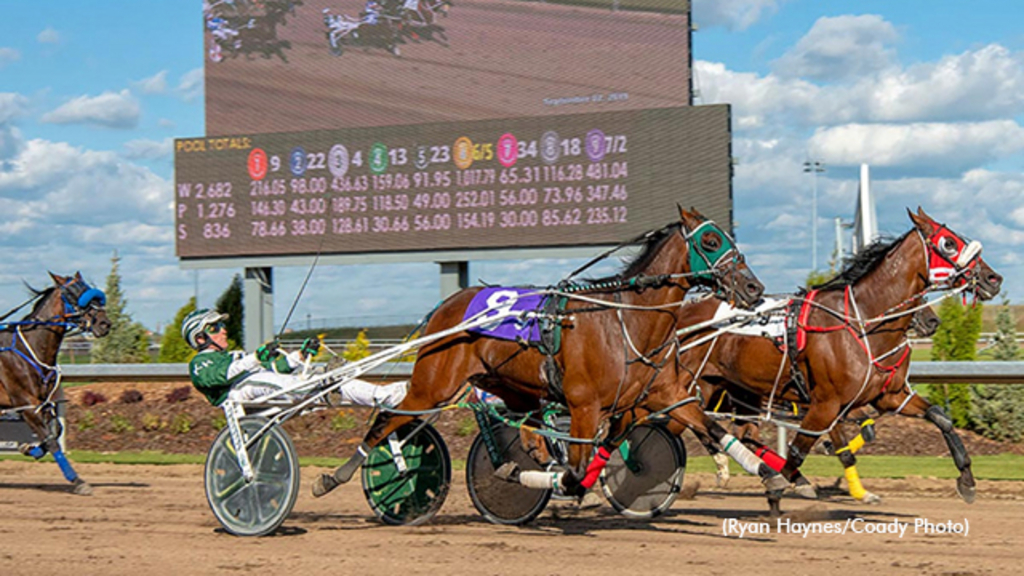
x: 498, y: 59
x: 154, y: 520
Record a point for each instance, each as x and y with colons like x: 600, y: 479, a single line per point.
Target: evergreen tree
x: 818, y: 277
x: 173, y: 347
x: 127, y: 341
x: 997, y: 412
x: 956, y: 340
x: 230, y: 303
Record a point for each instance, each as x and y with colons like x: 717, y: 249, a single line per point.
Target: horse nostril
x: 995, y: 279
x: 754, y: 289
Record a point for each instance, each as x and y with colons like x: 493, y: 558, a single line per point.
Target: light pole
x: 814, y: 167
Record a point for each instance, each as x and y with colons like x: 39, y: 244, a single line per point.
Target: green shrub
x: 86, y: 422
x: 344, y: 420
x: 218, y: 422
x: 121, y: 424
x: 467, y: 427
x: 181, y: 424
x: 152, y: 422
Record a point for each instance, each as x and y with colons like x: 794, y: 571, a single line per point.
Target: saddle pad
x: 495, y: 301
x: 772, y: 324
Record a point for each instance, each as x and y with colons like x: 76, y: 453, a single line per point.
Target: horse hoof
x: 590, y: 500
x: 722, y: 470
x: 966, y: 492
x: 324, y: 484
x: 81, y: 488
x: 806, y: 491
x: 870, y: 498
x: 775, y: 483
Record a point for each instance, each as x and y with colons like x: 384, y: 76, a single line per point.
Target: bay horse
x: 717, y: 397
x: 617, y: 349
x: 29, y: 377
x: 847, y: 332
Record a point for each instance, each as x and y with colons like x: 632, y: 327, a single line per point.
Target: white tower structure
x: 865, y: 220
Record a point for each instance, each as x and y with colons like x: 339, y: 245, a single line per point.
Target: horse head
x: 715, y: 261
x: 954, y: 261
x: 82, y: 306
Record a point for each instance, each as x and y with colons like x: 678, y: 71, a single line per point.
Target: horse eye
x: 947, y: 245
x: 710, y: 241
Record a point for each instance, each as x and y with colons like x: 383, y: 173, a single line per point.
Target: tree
x: 818, y: 277
x: 358, y: 348
x: 173, y: 347
x: 128, y: 341
x: 230, y: 303
x: 956, y: 340
x: 997, y: 412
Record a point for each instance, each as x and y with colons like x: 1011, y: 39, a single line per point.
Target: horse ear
x: 922, y: 220
x: 57, y: 279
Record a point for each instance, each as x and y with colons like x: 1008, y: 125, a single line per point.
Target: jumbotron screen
x: 572, y: 180
x: 297, y: 65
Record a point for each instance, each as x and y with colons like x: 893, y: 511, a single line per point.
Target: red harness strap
x: 802, y: 328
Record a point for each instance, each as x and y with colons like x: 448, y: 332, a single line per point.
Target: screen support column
x: 454, y: 277
x: 259, y: 306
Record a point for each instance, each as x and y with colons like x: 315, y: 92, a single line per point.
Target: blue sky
x: 931, y: 94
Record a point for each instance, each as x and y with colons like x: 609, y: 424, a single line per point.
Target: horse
x: 616, y: 352
x: 29, y: 377
x: 850, y: 336
x: 717, y: 397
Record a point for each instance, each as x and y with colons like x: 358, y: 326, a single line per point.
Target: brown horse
x: 717, y: 397
x: 847, y: 332
x: 616, y: 348
x: 29, y: 378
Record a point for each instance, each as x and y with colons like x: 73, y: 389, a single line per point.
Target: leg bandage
x: 771, y: 458
x: 853, y: 480
x: 540, y: 480
x: 741, y: 454
x: 363, y: 393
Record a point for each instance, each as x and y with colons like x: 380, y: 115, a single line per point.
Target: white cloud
x: 939, y: 147
x: 190, y: 86
x: 155, y: 84
x: 48, y: 36
x: 8, y: 55
x: 733, y: 14
x: 165, y: 123
x: 110, y: 110
x: 841, y: 47
x: 144, y: 149
x: 12, y: 105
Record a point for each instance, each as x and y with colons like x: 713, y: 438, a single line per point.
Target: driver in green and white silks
x: 221, y: 374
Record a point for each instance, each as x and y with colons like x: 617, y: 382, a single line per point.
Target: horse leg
x: 818, y: 417
x: 49, y: 433
x: 692, y: 416
x: 849, y: 461
x: 918, y: 407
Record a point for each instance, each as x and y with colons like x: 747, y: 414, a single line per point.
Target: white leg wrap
x: 722, y: 464
x: 363, y: 393
x: 741, y: 454
x: 540, y: 480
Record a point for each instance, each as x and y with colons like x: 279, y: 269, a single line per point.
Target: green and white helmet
x: 196, y: 322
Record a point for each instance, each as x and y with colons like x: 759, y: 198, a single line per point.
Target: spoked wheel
x: 411, y: 497
x: 501, y: 501
x: 647, y: 481
x: 258, y: 507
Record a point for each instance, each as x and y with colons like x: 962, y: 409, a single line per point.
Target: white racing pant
x: 355, y: 391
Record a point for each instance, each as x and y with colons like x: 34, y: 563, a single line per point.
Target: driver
x: 371, y: 12
x: 239, y: 376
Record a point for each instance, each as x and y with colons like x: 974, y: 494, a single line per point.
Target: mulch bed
x: 189, y: 426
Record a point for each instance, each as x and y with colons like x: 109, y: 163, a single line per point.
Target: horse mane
x: 862, y: 263
x: 649, y: 244
x: 41, y: 297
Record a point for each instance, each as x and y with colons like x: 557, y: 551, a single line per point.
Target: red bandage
x: 594, y: 468
x: 771, y: 458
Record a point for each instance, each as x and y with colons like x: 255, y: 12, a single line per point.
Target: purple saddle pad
x: 495, y: 301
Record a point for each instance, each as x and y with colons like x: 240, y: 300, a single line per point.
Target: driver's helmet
x: 195, y: 324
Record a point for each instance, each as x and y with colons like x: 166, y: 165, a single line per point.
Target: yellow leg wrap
x: 853, y: 480
x: 856, y: 444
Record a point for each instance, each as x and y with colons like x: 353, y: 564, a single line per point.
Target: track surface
x: 498, y: 59
x: 154, y: 520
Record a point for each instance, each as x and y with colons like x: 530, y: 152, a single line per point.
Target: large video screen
x: 567, y: 180
x: 298, y: 65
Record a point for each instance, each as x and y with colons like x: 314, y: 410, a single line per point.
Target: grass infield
x: 1001, y: 467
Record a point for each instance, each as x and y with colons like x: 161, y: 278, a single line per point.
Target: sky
x: 930, y: 94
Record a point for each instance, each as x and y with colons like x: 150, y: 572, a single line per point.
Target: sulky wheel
x: 501, y: 501
x: 258, y: 507
x: 647, y: 481
x: 411, y: 497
